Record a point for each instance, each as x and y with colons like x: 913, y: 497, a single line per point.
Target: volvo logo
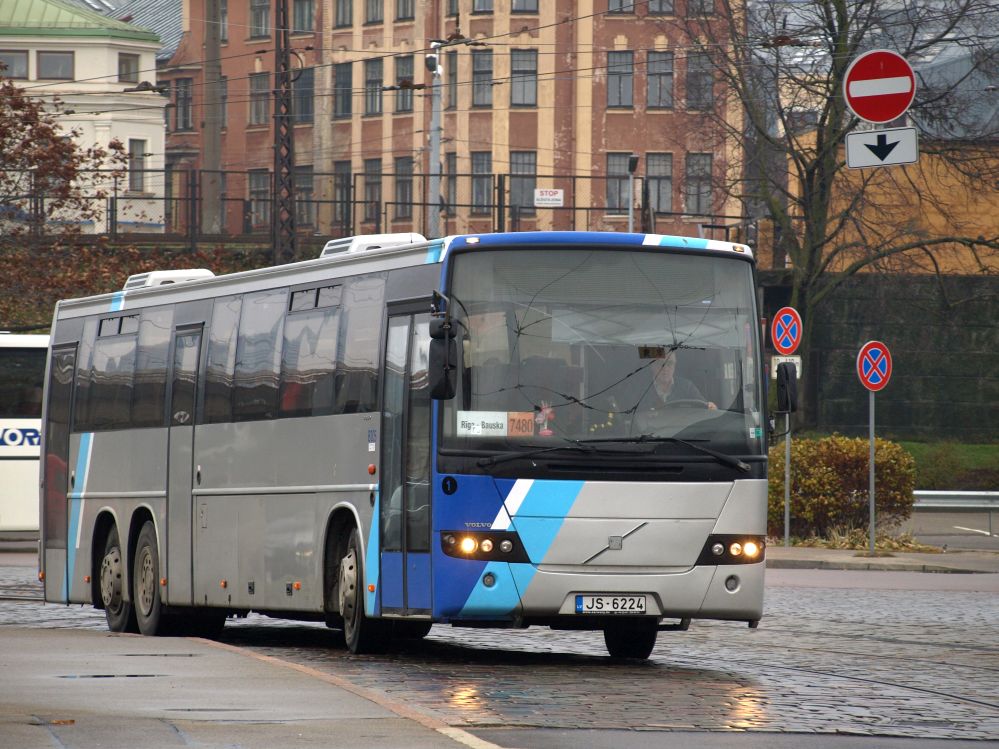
x: 27, y: 437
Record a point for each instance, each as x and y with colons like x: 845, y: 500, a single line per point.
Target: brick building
x: 534, y: 94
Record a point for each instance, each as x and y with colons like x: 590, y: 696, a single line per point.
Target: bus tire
x: 631, y: 638
x: 146, y: 583
x: 362, y: 634
x: 119, y: 613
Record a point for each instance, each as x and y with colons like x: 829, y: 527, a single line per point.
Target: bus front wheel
x: 631, y: 638
x: 119, y: 613
x: 363, y: 635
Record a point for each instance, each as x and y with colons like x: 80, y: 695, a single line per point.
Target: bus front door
x: 180, y: 520
x: 404, y: 509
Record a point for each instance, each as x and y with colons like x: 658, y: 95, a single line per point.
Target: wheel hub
x: 348, y: 584
x: 111, y: 579
x: 146, y: 581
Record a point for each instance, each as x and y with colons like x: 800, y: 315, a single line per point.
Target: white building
x: 94, y: 65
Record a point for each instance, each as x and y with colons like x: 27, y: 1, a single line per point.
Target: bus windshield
x: 577, y: 346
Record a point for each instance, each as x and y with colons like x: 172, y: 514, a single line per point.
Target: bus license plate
x: 610, y: 604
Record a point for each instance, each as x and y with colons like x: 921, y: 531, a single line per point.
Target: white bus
x: 22, y: 374
x: 562, y: 429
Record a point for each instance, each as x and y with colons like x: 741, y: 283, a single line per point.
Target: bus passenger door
x: 182, y: 413
x: 404, y: 521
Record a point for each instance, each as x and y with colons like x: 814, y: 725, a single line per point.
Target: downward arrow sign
x: 883, y: 148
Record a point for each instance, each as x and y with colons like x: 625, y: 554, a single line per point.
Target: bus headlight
x: 486, y: 545
x: 732, y: 548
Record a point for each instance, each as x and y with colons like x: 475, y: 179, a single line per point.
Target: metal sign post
x: 785, y: 335
x: 874, y: 367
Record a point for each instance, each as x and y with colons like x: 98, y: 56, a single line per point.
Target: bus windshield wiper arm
x: 574, y: 445
x: 728, y: 460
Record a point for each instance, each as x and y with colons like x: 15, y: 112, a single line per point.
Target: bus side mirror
x: 443, y: 364
x: 787, y: 388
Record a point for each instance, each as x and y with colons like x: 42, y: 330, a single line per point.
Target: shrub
x: 829, y: 485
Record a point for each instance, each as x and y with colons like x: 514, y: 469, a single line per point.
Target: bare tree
x: 782, y: 63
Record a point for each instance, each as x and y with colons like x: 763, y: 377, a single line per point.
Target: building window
x: 697, y: 183
x: 303, y: 16
x: 523, y: 179
x: 620, y: 75
x: 482, y: 78
x: 452, y: 80
x: 343, y: 16
x: 482, y: 6
x: 372, y: 189
x: 404, y: 10
x: 659, y: 176
x: 373, y: 11
x: 482, y: 182
x: 700, y: 81
x: 136, y: 165
x: 452, y: 7
x: 305, y: 206
x: 341, y: 193
x: 260, y: 98
x: 524, y: 78
x: 224, y: 20
x: 524, y: 6
x: 184, y: 93
x: 303, y: 106
x: 404, y: 187
x: 128, y: 68
x: 260, y: 197
x: 55, y: 66
x: 260, y: 18
x: 700, y: 7
x: 15, y: 63
x: 660, y: 7
x: 451, y: 188
x: 343, y: 75
x: 660, y: 80
x: 403, y: 76
x: 372, y: 86
x: 617, y: 183
x: 621, y: 6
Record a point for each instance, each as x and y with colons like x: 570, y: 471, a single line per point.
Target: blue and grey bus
x: 502, y: 430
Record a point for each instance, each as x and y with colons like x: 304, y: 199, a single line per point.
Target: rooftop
x: 58, y: 18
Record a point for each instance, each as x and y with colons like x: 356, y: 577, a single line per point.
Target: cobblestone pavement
x: 879, y: 663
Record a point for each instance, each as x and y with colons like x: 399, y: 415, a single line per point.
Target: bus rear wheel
x: 631, y: 638
x: 119, y: 613
x: 363, y: 635
x: 146, y: 583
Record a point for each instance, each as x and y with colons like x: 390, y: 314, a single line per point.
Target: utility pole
x: 211, y: 126
x: 433, y: 63
x: 283, y: 213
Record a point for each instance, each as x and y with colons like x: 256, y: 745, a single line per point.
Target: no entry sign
x: 879, y: 86
x: 785, y: 330
x: 874, y: 365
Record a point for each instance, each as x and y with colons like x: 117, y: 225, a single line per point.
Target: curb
x: 807, y: 564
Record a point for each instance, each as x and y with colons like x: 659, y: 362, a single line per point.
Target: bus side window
x: 221, y: 360
x: 356, y: 388
x: 258, y: 355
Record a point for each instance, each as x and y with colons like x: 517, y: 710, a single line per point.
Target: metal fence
x: 199, y: 205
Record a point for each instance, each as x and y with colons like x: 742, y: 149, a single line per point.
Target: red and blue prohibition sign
x: 874, y: 365
x: 785, y: 330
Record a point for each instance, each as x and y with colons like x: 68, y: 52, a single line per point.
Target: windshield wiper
x: 573, y: 445
x: 727, y: 460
